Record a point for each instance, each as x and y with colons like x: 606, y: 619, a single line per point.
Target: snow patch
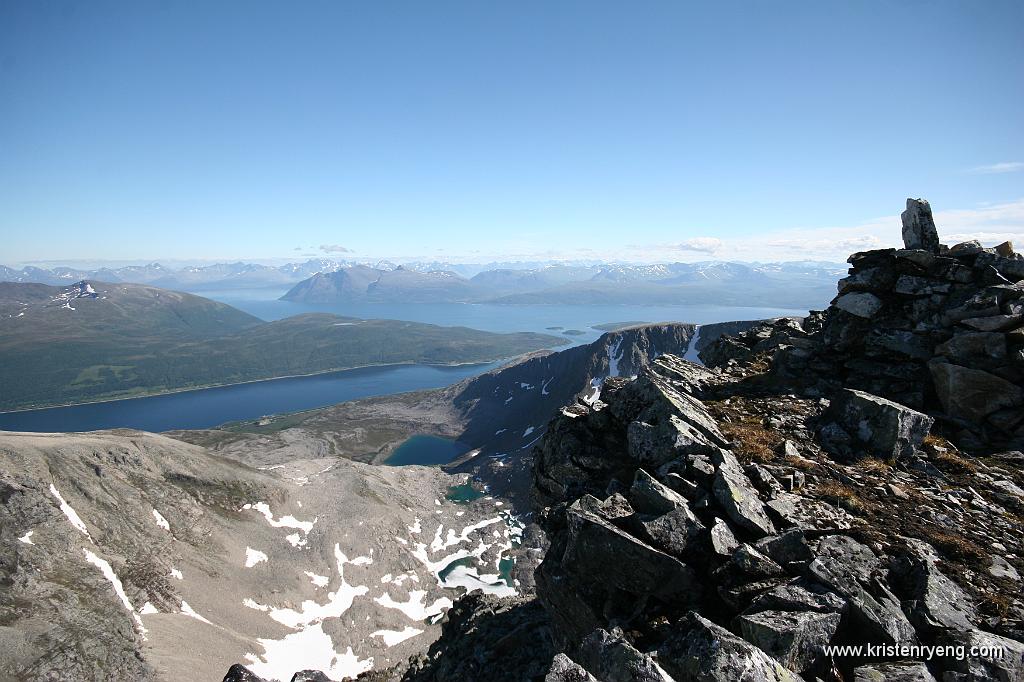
x: 191, y: 613
x: 109, y: 574
x: 393, y: 637
x: 415, y: 608
x: 27, y: 538
x: 309, y: 648
x: 253, y: 557
x: 72, y: 515
x: 161, y: 521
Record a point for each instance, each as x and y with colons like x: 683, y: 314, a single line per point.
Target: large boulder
x: 875, y: 426
x: 605, y: 554
x: 919, y: 227
x: 930, y: 599
x: 612, y: 659
x: 853, y: 570
x: 1007, y: 667
x: 563, y: 669
x: 706, y: 652
x: 795, y: 638
x: 972, y: 394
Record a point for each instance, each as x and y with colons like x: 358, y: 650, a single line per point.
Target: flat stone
x: 993, y: 323
x: 861, y: 304
x: 1001, y: 568
x: 794, y: 638
x: 974, y: 344
x: 910, y: 671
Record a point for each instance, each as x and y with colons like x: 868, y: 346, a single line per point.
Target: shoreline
x: 207, y: 387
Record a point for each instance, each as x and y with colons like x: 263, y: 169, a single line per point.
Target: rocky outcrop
x: 678, y: 556
x: 937, y: 329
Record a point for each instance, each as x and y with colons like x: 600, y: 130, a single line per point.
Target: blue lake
x: 425, y: 450
x: 208, y: 407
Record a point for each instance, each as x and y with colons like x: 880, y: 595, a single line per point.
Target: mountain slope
x: 131, y: 556
x: 94, y: 340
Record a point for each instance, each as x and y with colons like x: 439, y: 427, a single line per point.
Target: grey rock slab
x: 794, y: 638
x: 723, y: 540
x: 649, y: 496
x: 930, y: 599
x: 972, y: 394
x: 603, y: 553
x: 910, y: 671
x: 737, y: 496
x: 850, y: 569
x: 1006, y: 668
x: 861, y: 304
x: 564, y: 669
x: 974, y: 344
x: 612, y: 659
x: 881, y: 427
x: 710, y: 653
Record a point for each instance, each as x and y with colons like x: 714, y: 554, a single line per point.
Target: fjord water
x: 491, y: 317
x: 208, y: 407
x: 204, y: 408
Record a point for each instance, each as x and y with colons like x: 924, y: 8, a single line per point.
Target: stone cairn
x: 936, y: 328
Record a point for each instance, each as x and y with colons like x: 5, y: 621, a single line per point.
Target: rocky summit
x: 838, y: 497
x: 829, y: 498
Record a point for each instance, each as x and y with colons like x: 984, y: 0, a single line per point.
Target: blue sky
x: 480, y: 130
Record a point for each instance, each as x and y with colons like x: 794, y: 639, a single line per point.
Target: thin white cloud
x: 1004, y: 167
x: 700, y: 245
x: 335, y: 248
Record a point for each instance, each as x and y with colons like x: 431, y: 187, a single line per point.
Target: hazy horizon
x: 461, y: 132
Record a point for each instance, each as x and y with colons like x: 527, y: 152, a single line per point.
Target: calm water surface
x: 212, y: 406
x: 209, y: 407
x: 426, y: 450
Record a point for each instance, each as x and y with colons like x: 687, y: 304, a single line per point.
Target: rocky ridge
x: 812, y: 489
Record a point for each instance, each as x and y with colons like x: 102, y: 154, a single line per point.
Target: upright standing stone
x: 918, y: 226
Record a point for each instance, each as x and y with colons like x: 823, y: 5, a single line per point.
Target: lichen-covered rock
x: 893, y: 672
x: 564, y: 669
x: 704, y: 652
x: 737, y: 495
x: 795, y: 638
x: 876, y: 426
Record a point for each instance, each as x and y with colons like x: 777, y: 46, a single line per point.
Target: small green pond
x: 464, y: 493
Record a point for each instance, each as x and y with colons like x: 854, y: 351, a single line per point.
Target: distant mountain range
x: 94, y: 340
x: 806, y: 284
x: 786, y: 285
